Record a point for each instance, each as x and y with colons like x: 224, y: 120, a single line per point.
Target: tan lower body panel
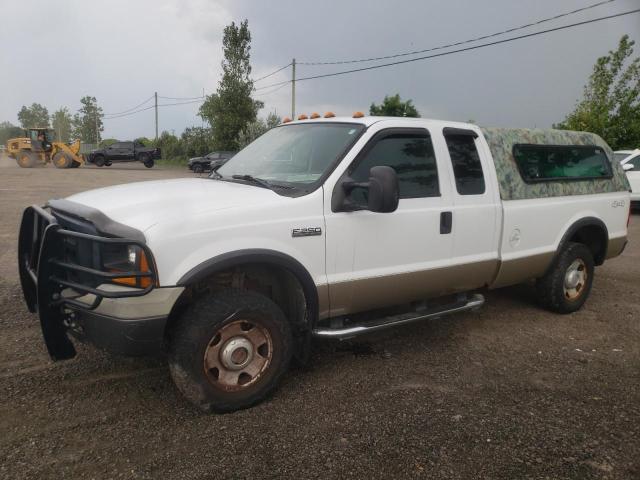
x: 522, y: 269
x: 616, y: 245
x: 378, y: 292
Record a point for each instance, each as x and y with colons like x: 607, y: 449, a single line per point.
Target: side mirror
x: 383, y: 192
x: 627, y: 166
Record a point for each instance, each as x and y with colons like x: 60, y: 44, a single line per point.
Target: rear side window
x: 539, y: 163
x: 636, y: 163
x: 466, y: 164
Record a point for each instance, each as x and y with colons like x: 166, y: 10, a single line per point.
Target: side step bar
x: 472, y: 303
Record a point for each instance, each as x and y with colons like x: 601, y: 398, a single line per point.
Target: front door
x: 380, y: 259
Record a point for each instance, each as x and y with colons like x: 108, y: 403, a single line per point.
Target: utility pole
x: 293, y: 89
x: 156, y: 98
x: 97, y: 128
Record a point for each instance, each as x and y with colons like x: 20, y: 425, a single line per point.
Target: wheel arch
x: 590, y: 231
x: 273, y: 262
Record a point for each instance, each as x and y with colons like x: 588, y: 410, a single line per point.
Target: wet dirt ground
x: 508, y: 392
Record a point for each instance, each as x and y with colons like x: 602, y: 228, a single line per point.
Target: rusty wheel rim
x: 23, y: 160
x: 238, y: 355
x: 575, y: 279
x: 59, y: 161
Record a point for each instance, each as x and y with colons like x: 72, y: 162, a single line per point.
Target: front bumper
x: 70, y: 292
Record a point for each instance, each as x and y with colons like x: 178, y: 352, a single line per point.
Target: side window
x: 115, y: 145
x: 466, y: 164
x: 127, y: 145
x: 636, y: 164
x: 410, y: 155
x: 539, y: 163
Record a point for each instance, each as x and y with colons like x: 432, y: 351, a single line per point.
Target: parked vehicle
x: 630, y: 162
x: 210, y: 161
x: 330, y: 228
x: 125, y: 152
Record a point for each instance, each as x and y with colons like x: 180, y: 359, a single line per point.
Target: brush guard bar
x: 44, y: 275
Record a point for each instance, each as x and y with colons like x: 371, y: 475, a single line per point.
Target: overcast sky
x: 121, y: 51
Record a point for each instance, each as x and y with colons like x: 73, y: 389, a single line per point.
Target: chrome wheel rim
x: 575, y: 279
x: 238, y: 355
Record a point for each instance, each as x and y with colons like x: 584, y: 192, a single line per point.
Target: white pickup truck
x: 330, y: 227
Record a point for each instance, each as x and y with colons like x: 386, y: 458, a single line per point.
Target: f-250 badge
x: 306, y: 232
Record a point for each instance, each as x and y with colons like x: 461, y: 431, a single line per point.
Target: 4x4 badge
x: 306, y: 232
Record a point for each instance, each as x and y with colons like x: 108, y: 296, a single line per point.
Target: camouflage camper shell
x: 513, y: 187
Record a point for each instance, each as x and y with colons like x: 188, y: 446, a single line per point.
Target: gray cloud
x: 122, y: 51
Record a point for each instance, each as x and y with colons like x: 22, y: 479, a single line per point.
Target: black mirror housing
x: 384, y: 193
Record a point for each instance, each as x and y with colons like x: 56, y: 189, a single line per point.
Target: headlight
x: 127, y: 259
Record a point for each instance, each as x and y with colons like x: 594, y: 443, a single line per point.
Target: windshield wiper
x: 261, y: 182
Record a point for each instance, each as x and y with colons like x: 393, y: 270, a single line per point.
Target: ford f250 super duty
x: 331, y: 227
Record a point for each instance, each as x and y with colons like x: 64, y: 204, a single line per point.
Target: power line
x: 132, y: 108
x: 276, y: 71
x: 451, y: 52
x: 181, y: 98
x: 484, y: 37
x: 153, y: 106
x: 272, y: 91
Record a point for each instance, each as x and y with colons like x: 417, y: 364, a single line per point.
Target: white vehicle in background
x: 630, y: 161
x: 324, y: 227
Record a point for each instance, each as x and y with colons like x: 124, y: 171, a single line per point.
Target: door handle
x: 446, y: 222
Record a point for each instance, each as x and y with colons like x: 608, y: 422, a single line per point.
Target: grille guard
x: 43, y: 275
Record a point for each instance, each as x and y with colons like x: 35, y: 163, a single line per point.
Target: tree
x: 34, y: 116
x: 256, y: 128
x: 62, y: 123
x: 394, y: 107
x: 171, y: 146
x: 87, y: 123
x: 231, y: 108
x: 196, y: 141
x: 611, y: 103
x: 7, y: 131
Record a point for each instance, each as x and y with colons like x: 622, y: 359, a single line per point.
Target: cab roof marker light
x: 303, y: 117
x: 358, y: 114
x: 286, y: 120
x: 315, y: 115
x: 329, y: 115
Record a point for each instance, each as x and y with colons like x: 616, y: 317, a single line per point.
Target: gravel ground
x: 508, y: 392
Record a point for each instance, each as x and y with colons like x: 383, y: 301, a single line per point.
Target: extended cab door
x: 476, y: 210
x: 380, y: 259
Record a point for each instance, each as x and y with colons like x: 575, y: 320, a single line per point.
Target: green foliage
x: 144, y: 141
x: 171, y: 147
x: 231, y: 108
x: 87, y: 123
x: 107, y: 141
x: 394, y: 107
x: 611, y: 103
x: 35, y: 116
x: 62, y: 123
x: 196, y: 141
x: 256, y: 128
x: 8, y: 131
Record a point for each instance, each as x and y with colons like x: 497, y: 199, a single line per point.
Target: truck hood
x: 142, y: 205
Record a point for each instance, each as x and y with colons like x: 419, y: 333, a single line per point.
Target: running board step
x: 472, y: 303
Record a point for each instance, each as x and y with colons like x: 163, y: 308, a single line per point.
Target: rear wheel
x: 62, y: 160
x: 566, y: 287
x: 149, y: 163
x: 230, y: 351
x: 26, y: 159
x: 197, y: 168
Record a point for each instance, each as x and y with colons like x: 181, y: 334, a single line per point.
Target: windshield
x: 294, y: 154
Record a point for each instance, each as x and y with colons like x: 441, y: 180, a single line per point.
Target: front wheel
x: 62, y: 160
x: 565, y: 288
x: 149, y: 163
x: 197, y: 168
x: 99, y: 161
x: 229, y: 351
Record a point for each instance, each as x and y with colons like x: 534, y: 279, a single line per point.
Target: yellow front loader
x: 39, y: 147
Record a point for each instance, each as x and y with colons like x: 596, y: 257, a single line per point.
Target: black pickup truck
x: 124, y: 152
